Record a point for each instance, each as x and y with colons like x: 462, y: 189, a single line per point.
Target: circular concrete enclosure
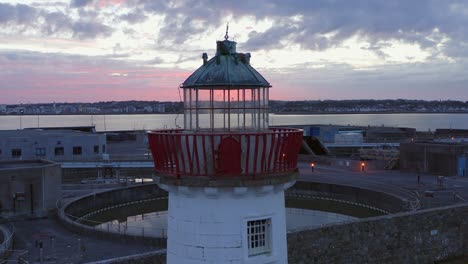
x: 139, y: 213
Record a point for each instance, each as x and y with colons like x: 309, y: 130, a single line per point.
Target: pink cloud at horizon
x: 35, y: 83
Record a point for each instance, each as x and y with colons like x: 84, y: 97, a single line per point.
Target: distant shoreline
x: 365, y: 113
x: 275, y: 113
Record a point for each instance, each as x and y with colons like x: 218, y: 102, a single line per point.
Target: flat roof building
x: 57, y: 145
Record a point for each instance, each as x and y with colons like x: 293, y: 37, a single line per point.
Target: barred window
x: 40, y: 151
x: 259, y: 236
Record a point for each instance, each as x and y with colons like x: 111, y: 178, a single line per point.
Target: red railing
x: 188, y: 153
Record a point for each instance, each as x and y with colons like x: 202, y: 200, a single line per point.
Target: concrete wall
x: 88, y: 204
x: 377, y: 199
x: 418, y: 237
x: 431, y: 157
x: 345, y: 164
x: 20, y: 179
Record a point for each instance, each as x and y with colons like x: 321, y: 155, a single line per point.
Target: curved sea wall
x: 73, y: 213
x: 70, y: 213
x: 422, y: 236
x: 386, y: 201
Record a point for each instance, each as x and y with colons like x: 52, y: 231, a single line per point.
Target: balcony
x: 249, y: 154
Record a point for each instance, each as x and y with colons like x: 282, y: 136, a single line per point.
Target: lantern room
x: 226, y: 93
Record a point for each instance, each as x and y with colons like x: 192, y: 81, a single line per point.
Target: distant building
x: 16, y: 110
x: 3, y: 108
x: 57, y: 145
x: 382, y: 134
x: 160, y: 108
x: 148, y: 109
x: 452, y: 133
x: 29, y: 187
x: 439, y: 158
x: 130, y: 109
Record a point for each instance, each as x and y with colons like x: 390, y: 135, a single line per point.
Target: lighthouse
x: 227, y: 170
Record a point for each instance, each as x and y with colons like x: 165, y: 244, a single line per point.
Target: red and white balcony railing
x: 188, y: 153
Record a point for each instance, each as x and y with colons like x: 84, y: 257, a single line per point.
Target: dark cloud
x: 156, y: 60
x: 18, y: 14
x: 55, y: 23
x: 80, y: 3
x: 86, y: 29
x: 134, y: 17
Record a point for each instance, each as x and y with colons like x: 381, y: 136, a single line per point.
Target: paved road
x: 65, y: 246
x: 453, y: 190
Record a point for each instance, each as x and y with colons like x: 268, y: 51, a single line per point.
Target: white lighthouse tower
x: 227, y: 170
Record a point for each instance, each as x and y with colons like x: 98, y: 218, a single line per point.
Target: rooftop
x: 42, y: 132
x: 5, y: 165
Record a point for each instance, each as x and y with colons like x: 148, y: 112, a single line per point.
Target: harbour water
x: 422, y: 122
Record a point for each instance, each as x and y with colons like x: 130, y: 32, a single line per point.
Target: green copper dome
x: 227, y: 69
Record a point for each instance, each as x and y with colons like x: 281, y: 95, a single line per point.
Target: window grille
x: 40, y: 151
x: 259, y: 236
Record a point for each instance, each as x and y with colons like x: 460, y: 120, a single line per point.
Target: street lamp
x: 21, y: 118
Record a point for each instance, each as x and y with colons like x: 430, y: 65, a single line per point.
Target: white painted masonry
x: 209, y: 225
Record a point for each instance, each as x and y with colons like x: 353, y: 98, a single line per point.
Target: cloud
x: 406, y: 46
x: 156, y: 60
x: 80, y: 3
x: 50, y: 23
x: 18, y: 14
x: 51, y: 77
x: 320, y: 24
x: 134, y: 17
x: 87, y: 29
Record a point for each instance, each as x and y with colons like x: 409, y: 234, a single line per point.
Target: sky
x: 114, y: 50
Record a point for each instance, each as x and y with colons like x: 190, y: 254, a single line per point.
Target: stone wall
x: 414, y: 237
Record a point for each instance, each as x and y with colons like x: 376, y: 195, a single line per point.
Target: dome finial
x: 226, y: 37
